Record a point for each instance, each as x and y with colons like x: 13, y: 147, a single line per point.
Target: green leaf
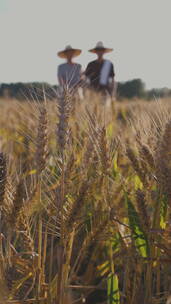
x: 115, y: 169
x: 139, y: 236
x: 113, y: 295
x: 109, y: 130
x: 103, y: 268
x: 116, y: 242
x: 137, y: 182
x: 163, y: 212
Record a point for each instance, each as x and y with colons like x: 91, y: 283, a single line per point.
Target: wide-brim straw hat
x: 68, y: 48
x: 100, y: 46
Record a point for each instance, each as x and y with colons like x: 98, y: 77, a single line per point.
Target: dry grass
x: 85, y: 201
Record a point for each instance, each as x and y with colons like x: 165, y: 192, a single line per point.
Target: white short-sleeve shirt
x: 69, y: 74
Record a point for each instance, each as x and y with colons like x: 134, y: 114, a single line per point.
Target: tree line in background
x: 130, y: 89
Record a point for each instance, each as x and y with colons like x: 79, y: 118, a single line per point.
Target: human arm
x: 60, y: 76
x: 112, y: 79
x: 88, y: 70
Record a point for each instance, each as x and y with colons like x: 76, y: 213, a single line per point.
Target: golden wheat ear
x: 3, y: 178
x: 142, y: 208
x: 163, y: 163
x: 42, y: 141
x: 136, y: 164
x: 98, y: 140
x: 18, y: 203
x: 104, y: 151
x: 64, y: 111
x: 147, y: 155
x: 25, y: 162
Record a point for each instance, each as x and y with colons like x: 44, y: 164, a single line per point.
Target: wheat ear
x: 42, y: 141
x: 136, y: 164
x: 64, y: 109
x: 147, y: 155
x: 3, y: 178
x: 142, y: 208
x: 17, y: 204
x: 163, y: 162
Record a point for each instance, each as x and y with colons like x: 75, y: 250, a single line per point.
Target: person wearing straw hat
x: 100, y: 72
x: 69, y: 73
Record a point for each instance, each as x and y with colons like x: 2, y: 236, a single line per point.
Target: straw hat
x: 68, y: 48
x: 100, y: 46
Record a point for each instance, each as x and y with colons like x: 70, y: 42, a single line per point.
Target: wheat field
x: 85, y: 198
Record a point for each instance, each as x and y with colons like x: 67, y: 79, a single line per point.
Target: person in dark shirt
x: 100, y: 72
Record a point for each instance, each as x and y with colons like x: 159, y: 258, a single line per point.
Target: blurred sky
x: 32, y: 31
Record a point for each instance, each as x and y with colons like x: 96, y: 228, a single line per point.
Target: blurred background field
x: 85, y: 201
x: 132, y: 89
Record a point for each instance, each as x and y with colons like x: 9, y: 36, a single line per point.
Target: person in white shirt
x: 69, y: 73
